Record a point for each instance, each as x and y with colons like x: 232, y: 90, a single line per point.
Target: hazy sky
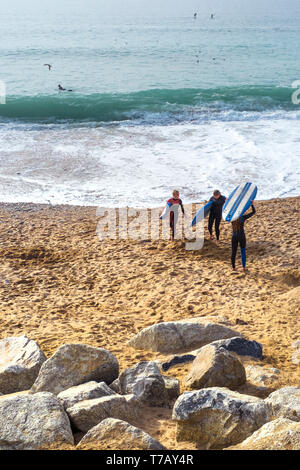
x: 155, y: 7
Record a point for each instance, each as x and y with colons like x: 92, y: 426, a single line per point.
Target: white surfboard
x: 239, y: 201
x: 166, y: 210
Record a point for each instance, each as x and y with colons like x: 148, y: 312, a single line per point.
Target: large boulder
x: 216, y: 367
x: 114, y: 434
x: 145, y: 381
x: 74, y: 364
x: 87, y: 414
x: 215, y: 418
x: 262, y: 377
x: 280, y: 434
x: 86, y: 391
x: 180, y: 336
x: 20, y: 362
x: 285, y: 403
x: 30, y: 422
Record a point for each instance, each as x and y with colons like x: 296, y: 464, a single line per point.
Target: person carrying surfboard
x: 215, y: 215
x: 239, y: 238
x: 175, y: 200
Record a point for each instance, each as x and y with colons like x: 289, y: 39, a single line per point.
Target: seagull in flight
x: 48, y: 65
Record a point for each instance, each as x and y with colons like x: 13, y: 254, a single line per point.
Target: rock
x: 82, y: 392
x: 180, y: 336
x: 145, y: 381
x: 296, y: 357
x: 172, y: 387
x: 280, y: 434
x: 241, y: 346
x: 115, y: 386
x: 216, y: 367
x: 30, y: 422
x: 285, y: 403
x: 296, y: 354
x: 87, y: 414
x: 262, y: 377
x: 114, y: 433
x: 20, y: 362
x: 75, y: 364
x: 215, y: 418
x: 177, y: 360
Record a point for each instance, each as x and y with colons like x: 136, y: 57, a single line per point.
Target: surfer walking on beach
x: 239, y: 237
x: 174, y: 201
x: 215, y: 215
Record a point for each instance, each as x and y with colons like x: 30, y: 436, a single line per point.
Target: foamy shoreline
x: 41, y: 205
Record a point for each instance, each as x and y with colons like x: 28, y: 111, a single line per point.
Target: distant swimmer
x: 49, y: 66
x: 195, y: 15
x: 212, y: 16
x: 62, y: 89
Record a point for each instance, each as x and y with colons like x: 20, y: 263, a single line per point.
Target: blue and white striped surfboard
x: 202, y: 213
x: 239, y: 201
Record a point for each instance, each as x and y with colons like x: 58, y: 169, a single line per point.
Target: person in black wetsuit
x: 215, y: 215
x: 60, y: 88
x: 239, y: 238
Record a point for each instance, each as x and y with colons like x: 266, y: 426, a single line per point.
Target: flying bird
x: 48, y: 65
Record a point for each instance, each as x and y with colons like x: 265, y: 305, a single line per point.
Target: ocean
x: 158, y: 101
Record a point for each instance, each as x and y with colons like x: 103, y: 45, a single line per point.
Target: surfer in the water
x: 215, y: 215
x: 239, y: 238
x: 174, y: 201
x: 62, y: 89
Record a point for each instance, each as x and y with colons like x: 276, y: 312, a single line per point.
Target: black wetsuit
x: 215, y: 214
x: 239, y: 238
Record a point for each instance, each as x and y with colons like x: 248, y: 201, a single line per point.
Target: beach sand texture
x: 59, y: 284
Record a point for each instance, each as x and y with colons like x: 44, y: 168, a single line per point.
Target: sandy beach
x: 60, y: 284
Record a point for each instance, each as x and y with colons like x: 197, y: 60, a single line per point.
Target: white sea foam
x: 139, y: 165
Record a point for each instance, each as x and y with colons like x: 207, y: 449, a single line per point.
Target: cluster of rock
x: 80, y: 388
x: 77, y: 389
x: 217, y: 417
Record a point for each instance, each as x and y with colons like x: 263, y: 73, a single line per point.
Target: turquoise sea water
x: 158, y: 101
